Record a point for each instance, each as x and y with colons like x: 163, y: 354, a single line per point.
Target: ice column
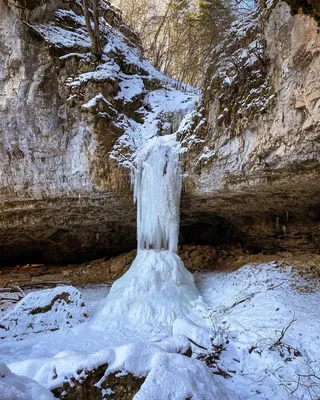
x: 157, y: 192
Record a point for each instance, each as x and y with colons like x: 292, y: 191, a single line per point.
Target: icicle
x: 157, y: 191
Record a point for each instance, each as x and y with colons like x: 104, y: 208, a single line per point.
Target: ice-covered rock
x: 44, y: 310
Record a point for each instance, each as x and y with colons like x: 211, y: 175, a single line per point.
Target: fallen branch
x: 283, y: 331
x: 5, y: 299
x: 47, y: 283
x: 30, y: 266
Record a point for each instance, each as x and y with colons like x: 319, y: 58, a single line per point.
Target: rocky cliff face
x: 255, y: 158
x: 63, y: 192
x: 59, y: 190
x: 68, y: 126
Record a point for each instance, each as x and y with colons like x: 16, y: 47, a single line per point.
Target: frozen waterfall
x: 157, y: 289
x: 157, y: 190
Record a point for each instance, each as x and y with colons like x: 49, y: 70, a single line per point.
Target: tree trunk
x: 93, y: 33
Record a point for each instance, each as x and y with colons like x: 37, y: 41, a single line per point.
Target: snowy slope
x: 252, y: 309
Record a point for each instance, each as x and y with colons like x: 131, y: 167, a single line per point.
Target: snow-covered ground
x: 266, y: 322
x: 269, y: 319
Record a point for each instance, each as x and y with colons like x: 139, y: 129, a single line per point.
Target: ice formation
x: 157, y: 189
x: 157, y: 289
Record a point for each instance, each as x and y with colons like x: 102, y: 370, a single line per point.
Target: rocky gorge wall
x: 252, y: 154
x: 60, y: 192
x: 255, y: 157
x: 69, y: 125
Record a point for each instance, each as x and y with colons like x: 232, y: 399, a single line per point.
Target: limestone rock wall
x: 253, y: 150
x: 69, y: 125
x: 258, y: 165
x: 60, y: 193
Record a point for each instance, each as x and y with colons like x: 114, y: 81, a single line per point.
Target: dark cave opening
x: 253, y: 234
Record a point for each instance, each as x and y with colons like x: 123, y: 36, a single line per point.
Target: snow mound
x: 53, y: 372
x: 177, y: 377
x: 14, y: 387
x: 169, y: 376
x: 44, y: 310
x: 178, y: 344
x: 136, y: 358
x: 198, y: 334
x: 155, y: 291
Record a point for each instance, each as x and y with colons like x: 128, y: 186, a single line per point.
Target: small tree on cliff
x: 94, y: 32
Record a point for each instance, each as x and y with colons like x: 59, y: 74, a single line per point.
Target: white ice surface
x: 155, y: 291
x: 157, y: 191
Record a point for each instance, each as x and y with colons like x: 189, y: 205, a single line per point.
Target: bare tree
x: 94, y: 32
x: 179, y: 35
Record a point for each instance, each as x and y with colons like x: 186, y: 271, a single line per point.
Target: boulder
x: 44, y: 310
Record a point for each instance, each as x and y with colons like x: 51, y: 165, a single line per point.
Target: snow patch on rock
x: 44, y: 310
